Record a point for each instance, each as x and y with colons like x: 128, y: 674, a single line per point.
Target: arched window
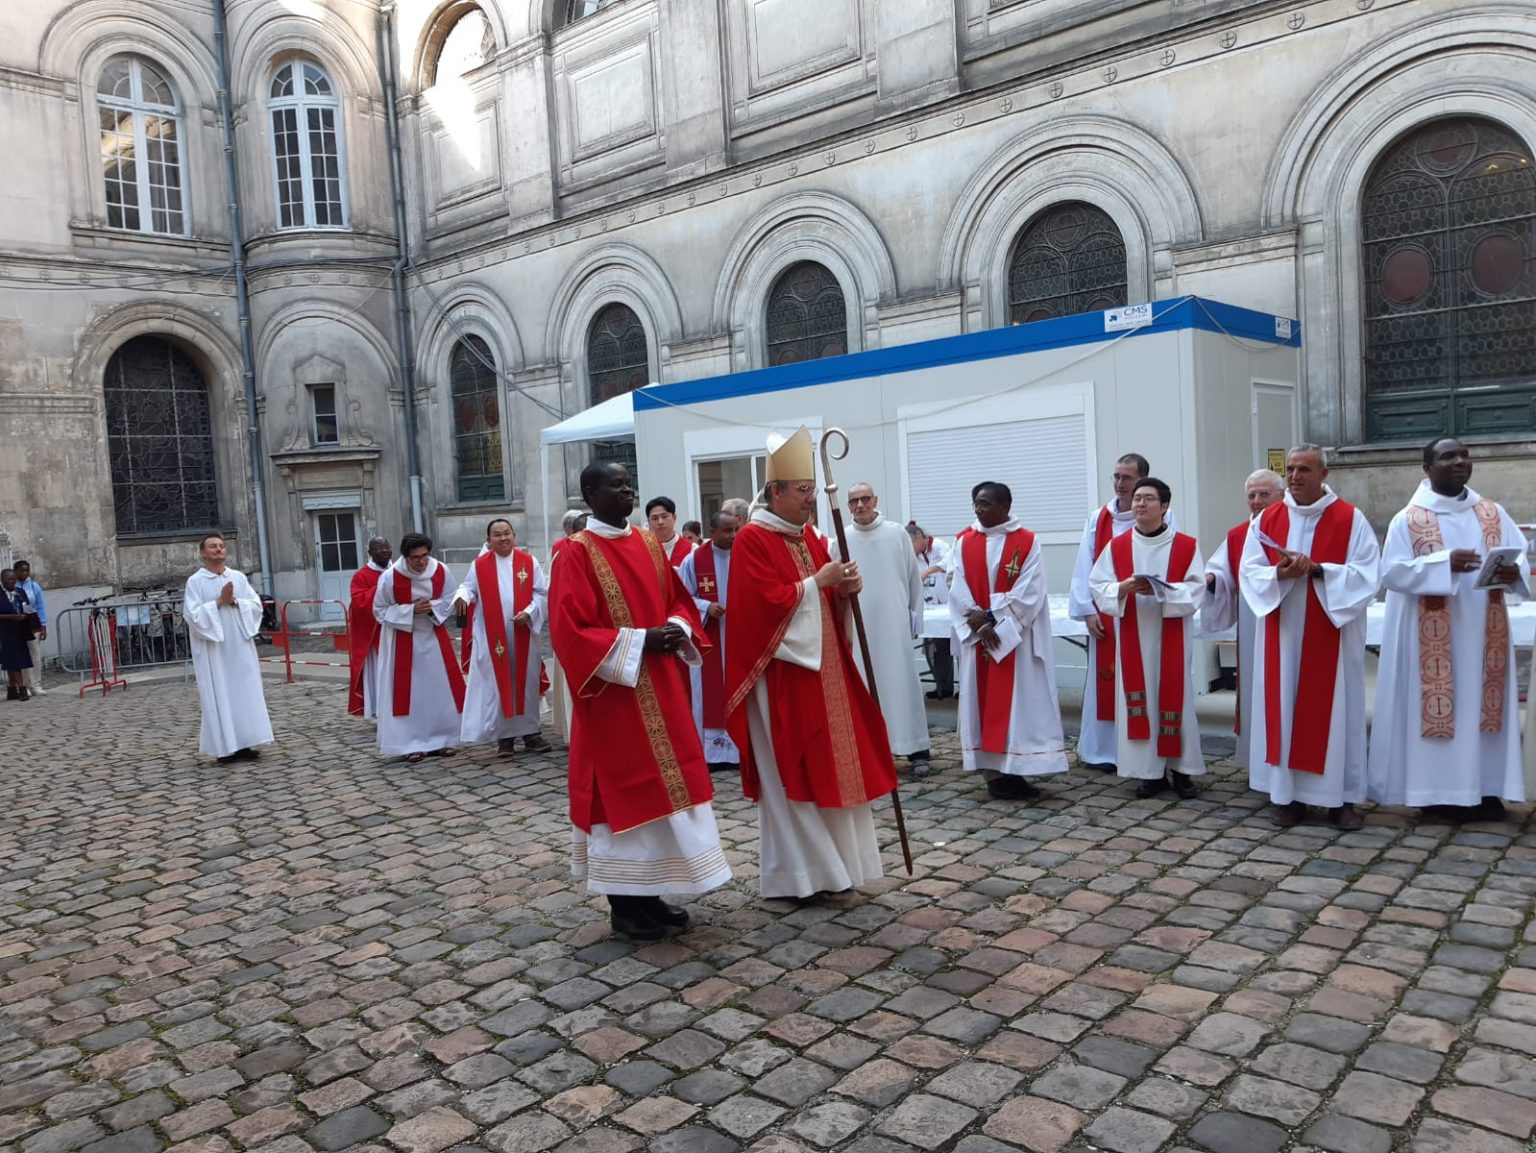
x: 618, y: 361
x: 1448, y: 255
x: 140, y: 120
x: 159, y: 440
x: 475, y: 385
x: 1068, y: 259
x: 807, y: 316
x: 306, y: 147
x: 571, y: 11
x: 470, y: 42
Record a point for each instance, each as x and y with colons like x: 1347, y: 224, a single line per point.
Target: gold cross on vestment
x: 522, y: 575
x: 706, y: 584
x: 1014, y: 566
x: 501, y: 649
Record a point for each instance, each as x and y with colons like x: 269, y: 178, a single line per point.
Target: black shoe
x: 1347, y: 817
x: 1006, y: 788
x: 1100, y: 766
x: 663, y: 913
x: 247, y: 755
x: 1151, y: 788
x: 506, y: 746
x: 935, y: 695
x: 10, y: 692
x: 725, y: 767
x: 536, y: 743
x: 1183, y: 787
x: 920, y: 764
x: 230, y: 759
x: 1491, y: 809
x: 630, y: 918
x: 1291, y: 815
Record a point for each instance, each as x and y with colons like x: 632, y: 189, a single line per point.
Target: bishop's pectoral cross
x: 706, y: 585
x: 1014, y: 566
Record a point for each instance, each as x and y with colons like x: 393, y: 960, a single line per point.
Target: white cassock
x: 892, y: 604
x: 1035, y: 743
x: 1139, y: 760
x: 1346, y: 592
x: 1223, y: 608
x: 433, y: 722
x: 1096, y: 738
x: 936, y: 585
x: 1406, y: 767
x: 483, y: 719
x: 803, y: 849
x: 224, y: 661
x: 719, y: 749
x: 1530, y: 735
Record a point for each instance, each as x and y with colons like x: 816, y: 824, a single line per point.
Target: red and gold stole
x: 1104, y: 666
x: 1236, y: 539
x: 994, y: 679
x: 511, y: 671
x: 1171, y: 670
x: 405, y: 651
x: 1437, y: 689
x: 1318, y: 669
x: 712, y: 675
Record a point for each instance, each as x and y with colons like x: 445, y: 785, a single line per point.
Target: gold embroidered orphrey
x: 645, y: 689
x: 1437, y: 690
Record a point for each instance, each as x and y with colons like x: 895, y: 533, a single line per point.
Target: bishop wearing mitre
x: 814, y: 753
x: 507, y: 599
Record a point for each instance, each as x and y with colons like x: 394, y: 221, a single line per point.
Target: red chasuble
x: 994, y: 679
x: 635, y: 756
x: 509, y: 660
x: 405, y: 652
x: 362, y: 632
x: 1318, y: 673
x: 1104, y: 667
x: 712, y: 675
x: 829, y: 739
x: 681, y: 547
x: 1170, y: 672
x: 1236, y: 540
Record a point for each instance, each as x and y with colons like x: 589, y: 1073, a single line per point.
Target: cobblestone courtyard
x: 323, y: 951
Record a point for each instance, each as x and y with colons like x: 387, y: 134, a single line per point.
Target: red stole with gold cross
x: 1171, y: 668
x: 994, y: 679
x: 712, y: 674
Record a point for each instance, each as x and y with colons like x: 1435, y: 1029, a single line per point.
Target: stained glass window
x: 807, y: 316
x: 474, y: 384
x: 306, y: 147
x: 159, y: 440
x: 618, y: 361
x: 1069, y: 259
x: 1448, y: 257
x: 140, y: 123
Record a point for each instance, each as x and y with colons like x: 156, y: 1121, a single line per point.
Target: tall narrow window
x: 574, y: 10
x: 473, y: 381
x: 159, y: 440
x: 1068, y: 259
x: 322, y: 408
x: 618, y: 361
x: 807, y: 316
x: 140, y: 121
x: 1448, y: 256
x: 306, y: 148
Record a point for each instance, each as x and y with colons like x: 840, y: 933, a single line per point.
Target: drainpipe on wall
x: 242, y: 297
x: 406, y: 350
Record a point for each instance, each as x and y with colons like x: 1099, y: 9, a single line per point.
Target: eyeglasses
x: 853, y: 500
x: 802, y: 489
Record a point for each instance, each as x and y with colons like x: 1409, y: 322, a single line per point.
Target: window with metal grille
x: 306, y: 147
x: 807, y: 316
x: 618, y: 361
x: 1448, y: 263
x: 159, y: 440
x: 1067, y: 260
x: 140, y: 122
x: 475, y: 386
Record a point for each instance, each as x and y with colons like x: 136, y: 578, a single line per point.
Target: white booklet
x: 1504, y: 556
x: 1009, y: 638
x: 1160, y: 585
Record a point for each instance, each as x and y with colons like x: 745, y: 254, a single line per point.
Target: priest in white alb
x: 1149, y: 582
x: 1446, y: 734
x: 1096, y: 733
x: 223, y: 615
x: 706, y: 574
x: 892, y: 603
x: 1224, y: 607
x: 1311, y: 568
x: 507, y: 598
x: 1010, y: 721
x: 421, y: 688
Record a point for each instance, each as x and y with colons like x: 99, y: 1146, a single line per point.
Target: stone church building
x: 595, y: 194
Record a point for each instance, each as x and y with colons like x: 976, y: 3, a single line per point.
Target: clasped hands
x: 227, y: 594
x: 667, y: 638
x: 840, y: 575
x: 1136, y: 587
x: 1295, y: 565
x: 984, y: 625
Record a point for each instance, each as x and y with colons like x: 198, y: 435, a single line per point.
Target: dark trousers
x: 941, y: 664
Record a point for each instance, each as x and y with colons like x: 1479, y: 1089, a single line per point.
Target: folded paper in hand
x: 1504, y: 557
x: 1159, y: 585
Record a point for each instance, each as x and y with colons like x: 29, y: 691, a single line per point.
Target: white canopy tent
x: 614, y: 419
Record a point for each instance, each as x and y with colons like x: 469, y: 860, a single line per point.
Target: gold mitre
x: 791, y: 457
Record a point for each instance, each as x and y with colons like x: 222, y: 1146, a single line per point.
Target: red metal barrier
x: 283, y: 638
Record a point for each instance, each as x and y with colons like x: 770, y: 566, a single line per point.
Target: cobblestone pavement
x: 324, y: 951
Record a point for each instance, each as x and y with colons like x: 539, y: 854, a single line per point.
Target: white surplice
x: 1346, y: 591
x: 1223, y: 608
x: 719, y: 749
x: 679, y: 855
x: 804, y: 849
x: 936, y: 584
x: 224, y: 660
x: 1139, y: 760
x: 1096, y: 738
x: 483, y: 719
x: 1405, y: 767
x: 892, y: 604
x: 433, y: 722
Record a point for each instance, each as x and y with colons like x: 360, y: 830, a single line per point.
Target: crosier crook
x: 827, y: 457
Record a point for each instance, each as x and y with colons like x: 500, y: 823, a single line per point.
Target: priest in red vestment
x: 626, y: 632
x: 814, y: 752
x: 363, y: 630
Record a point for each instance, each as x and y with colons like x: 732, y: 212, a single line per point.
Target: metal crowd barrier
x: 283, y: 637
x: 100, y: 639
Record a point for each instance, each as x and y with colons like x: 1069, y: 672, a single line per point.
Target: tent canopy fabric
x: 614, y: 419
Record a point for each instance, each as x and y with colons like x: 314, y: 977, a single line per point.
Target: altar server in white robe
x: 421, y: 688
x: 706, y: 574
x: 1446, y: 734
x: 223, y: 615
x: 501, y: 688
x: 1311, y: 568
x: 892, y: 603
x: 1150, y: 581
x: 1224, y: 607
x: 1010, y: 720
x: 1096, y: 733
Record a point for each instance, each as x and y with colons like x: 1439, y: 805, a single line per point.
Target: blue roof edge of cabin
x: 1185, y: 312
